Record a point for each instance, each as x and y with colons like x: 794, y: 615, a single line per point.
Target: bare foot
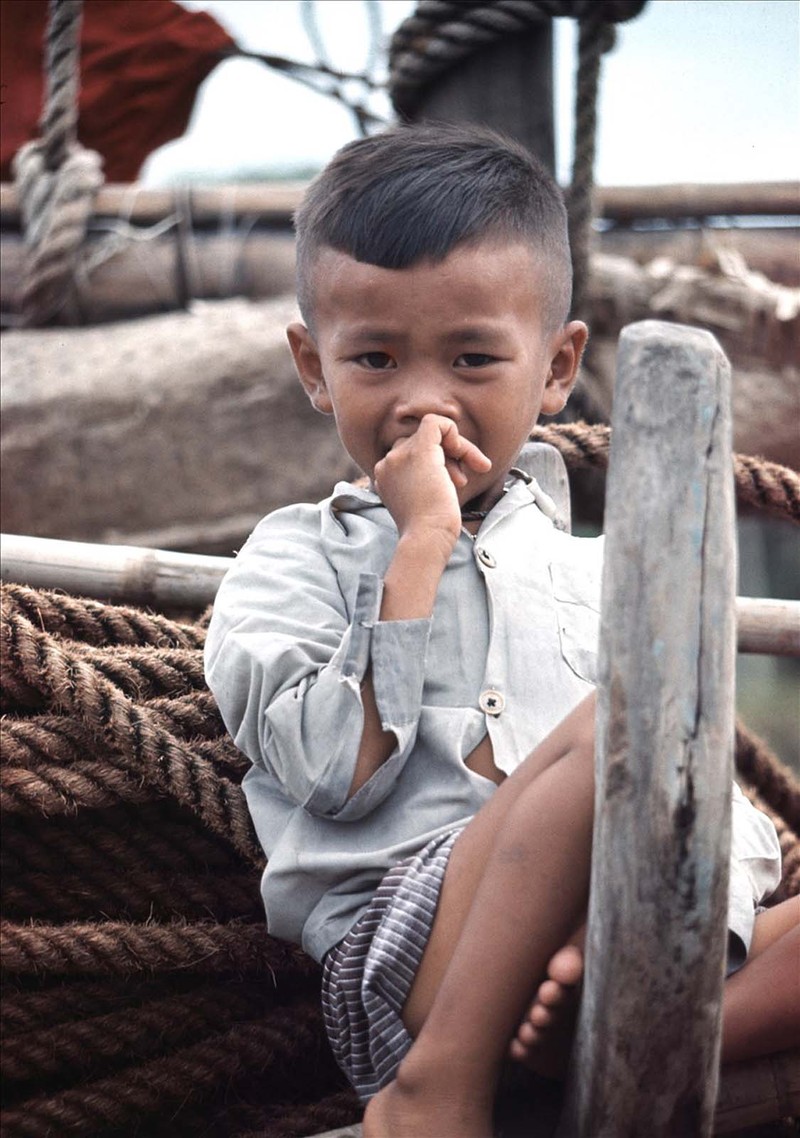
x: 544, y: 1038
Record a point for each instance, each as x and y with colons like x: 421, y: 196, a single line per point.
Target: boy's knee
x: 582, y: 727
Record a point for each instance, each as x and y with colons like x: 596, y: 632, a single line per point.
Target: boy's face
x: 467, y: 338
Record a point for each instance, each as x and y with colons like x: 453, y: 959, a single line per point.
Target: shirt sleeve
x: 286, y: 654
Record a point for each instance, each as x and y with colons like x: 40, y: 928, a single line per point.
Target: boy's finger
x: 454, y: 444
x: 457, y: 475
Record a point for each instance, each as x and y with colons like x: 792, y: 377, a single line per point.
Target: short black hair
x: 414, y: 192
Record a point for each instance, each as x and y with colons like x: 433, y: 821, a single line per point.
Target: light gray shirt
x: 510, y: 649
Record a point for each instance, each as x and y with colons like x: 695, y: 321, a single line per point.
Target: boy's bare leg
x: 761, y: 1002
x: 515, y: 889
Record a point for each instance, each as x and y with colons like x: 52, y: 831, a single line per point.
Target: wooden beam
x: 646, y: 1059
x: 137, y: 575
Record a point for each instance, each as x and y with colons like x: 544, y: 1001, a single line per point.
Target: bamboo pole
x: 276, y: 201
x: 646, y: 1058
x: 135, y: 575
x: 113, y: 572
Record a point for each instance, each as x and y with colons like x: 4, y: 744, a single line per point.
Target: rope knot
x: 56, y: 207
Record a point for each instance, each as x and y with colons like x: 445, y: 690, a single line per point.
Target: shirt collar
x: 521, y: 490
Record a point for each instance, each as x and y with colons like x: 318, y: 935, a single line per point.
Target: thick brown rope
x: 141, y: 673
x: 43, y: 740
x: 135, y: 895
x: 154, y: 1028
x: 121, y: 841
x: 767, y: 486
x: 777, y: 786
x: 54, y: 790
x: 192, y: 716
x: 278, y: 1049
x: 136, y: 742
x: 40, y: 742
x: 337, y: 1110
x: 78, y: 618
x: 114, y: 948
x: 73, y: 1001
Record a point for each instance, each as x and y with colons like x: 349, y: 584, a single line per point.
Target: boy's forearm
x: 409, y: 593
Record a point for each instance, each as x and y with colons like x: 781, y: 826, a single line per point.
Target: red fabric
x: 141, y: 65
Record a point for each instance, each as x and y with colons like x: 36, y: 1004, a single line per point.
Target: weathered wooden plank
x: 647, y: 1052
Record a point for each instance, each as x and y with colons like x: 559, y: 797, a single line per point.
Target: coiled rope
x: 442, y: 33
x: 139, y: 983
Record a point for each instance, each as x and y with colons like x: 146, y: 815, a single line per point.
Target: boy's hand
x: 419, y: 479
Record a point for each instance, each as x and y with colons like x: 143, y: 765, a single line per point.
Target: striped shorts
x: 367, y: 976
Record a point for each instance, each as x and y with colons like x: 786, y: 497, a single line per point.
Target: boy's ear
x: 309, y: 367
x: 567, y: 351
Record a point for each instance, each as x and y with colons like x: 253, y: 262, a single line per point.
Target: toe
x: 566, y: 967
x: 551, y: 994
x: 540, y: 1016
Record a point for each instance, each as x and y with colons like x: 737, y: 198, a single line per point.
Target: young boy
x: 410, y: 666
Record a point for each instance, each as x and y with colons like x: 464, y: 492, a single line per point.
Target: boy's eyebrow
x: 477, y: 334
x: 472, y: 334
x: 371, y: 335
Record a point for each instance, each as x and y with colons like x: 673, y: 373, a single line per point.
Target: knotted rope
x: 57, y: 178
x: 442, y: 33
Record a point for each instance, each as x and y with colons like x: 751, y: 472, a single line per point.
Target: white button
x: 491, y: 701
x: 485, y: 557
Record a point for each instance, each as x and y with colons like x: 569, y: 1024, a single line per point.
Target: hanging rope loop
x: 56, y: 178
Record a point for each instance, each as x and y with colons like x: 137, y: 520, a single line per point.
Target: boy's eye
x: 376, y: 361
x: 474, y: 359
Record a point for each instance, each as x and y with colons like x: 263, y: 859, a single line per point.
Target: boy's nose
x: 425, y: 396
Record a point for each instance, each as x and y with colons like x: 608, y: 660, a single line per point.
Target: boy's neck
x: 477, y: 508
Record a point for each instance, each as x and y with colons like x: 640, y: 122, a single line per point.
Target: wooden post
x: 647, y: 1052
x: 507, y: 86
